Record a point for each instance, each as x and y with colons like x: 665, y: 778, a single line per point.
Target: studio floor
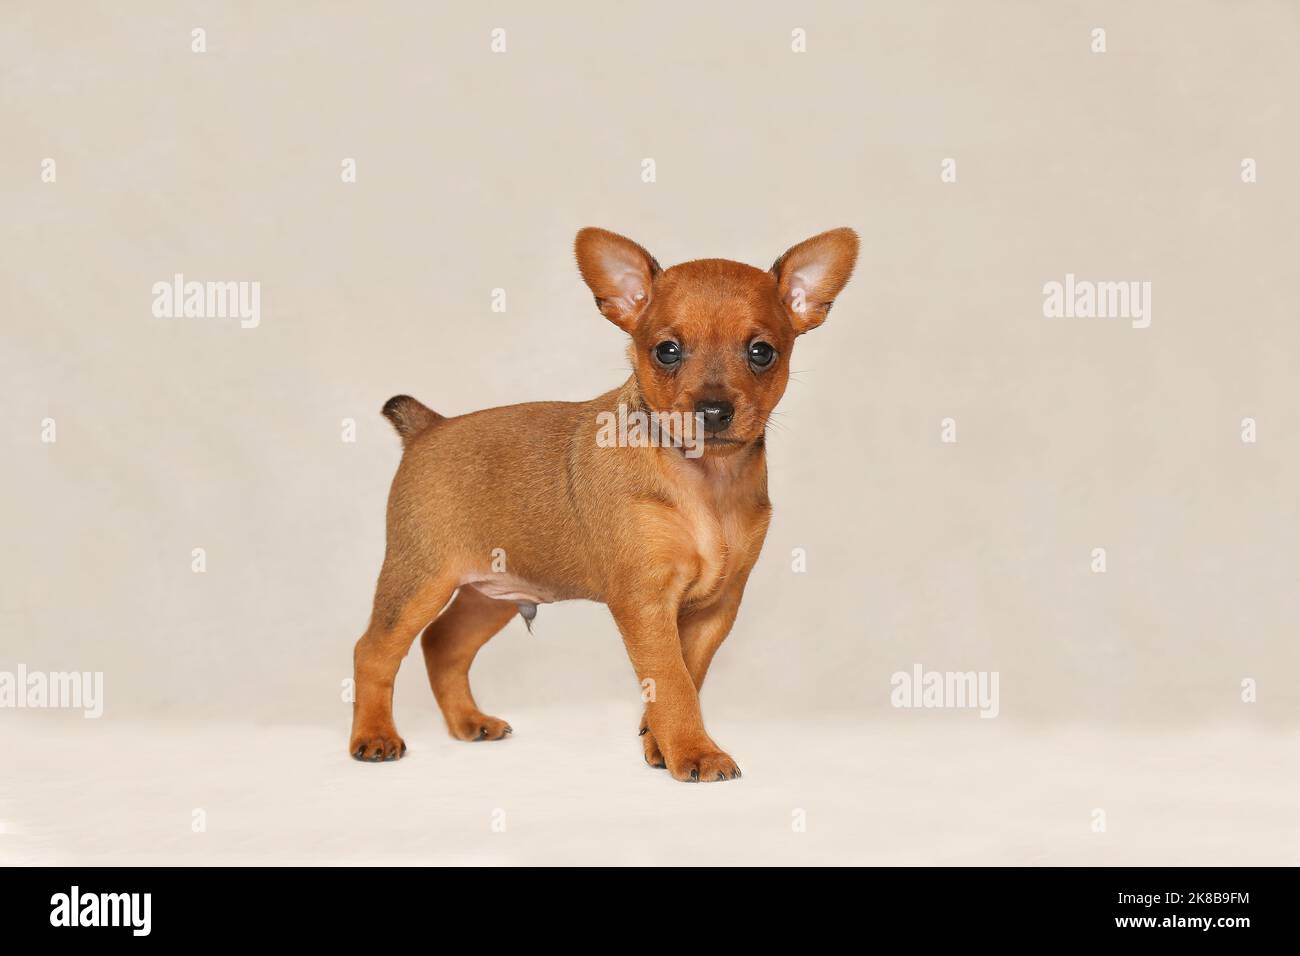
x: 570, y: 788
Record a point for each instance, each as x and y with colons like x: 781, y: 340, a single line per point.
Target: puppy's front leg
x: 702, y: 631
x: 673, y: 704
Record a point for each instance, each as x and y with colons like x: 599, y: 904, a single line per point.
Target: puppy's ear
x: 618, y: 272
x: 810, y: 275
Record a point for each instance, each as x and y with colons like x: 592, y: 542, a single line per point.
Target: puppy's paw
x: 377, y: 747
x: 702, y: 766
x: 478, y: 726
x: 653, y: 755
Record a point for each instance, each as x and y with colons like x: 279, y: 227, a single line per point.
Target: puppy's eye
x: 668, y: 354
x: 761, y: 355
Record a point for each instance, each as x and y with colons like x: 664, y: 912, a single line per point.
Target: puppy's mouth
x: 719, y: 440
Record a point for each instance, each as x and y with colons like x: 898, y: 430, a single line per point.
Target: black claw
x: 660, y: 766
x: 641, y: 732
x: 403, y: 748
x: 482, y: 733
x: 508, y: 731
x: 695, y: 775
x: 379, y: 755
x: 721, y: 775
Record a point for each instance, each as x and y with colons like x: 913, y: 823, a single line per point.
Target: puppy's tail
x: 409, y: 417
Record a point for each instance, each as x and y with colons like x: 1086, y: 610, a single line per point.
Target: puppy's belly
x: 505, y: 587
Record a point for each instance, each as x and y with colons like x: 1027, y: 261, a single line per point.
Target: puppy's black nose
x: 717, y: 413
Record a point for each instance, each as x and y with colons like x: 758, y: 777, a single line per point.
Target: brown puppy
x: 511, y: 507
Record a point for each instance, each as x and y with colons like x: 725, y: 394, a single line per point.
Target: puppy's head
x: 713, y: 337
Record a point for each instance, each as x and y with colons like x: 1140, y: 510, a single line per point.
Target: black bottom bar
x: 232, y: 905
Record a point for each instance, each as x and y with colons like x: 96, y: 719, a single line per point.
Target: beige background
x: 474, y: 171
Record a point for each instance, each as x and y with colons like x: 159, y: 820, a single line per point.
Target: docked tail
x: 409, y: 417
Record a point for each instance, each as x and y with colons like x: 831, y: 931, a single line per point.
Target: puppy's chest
x: 719, y: 540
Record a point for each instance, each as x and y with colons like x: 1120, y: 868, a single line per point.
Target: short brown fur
x: 666, y: 541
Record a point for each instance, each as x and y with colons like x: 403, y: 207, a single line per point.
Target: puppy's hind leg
x: 404, y: 603
x: 450, y: 644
